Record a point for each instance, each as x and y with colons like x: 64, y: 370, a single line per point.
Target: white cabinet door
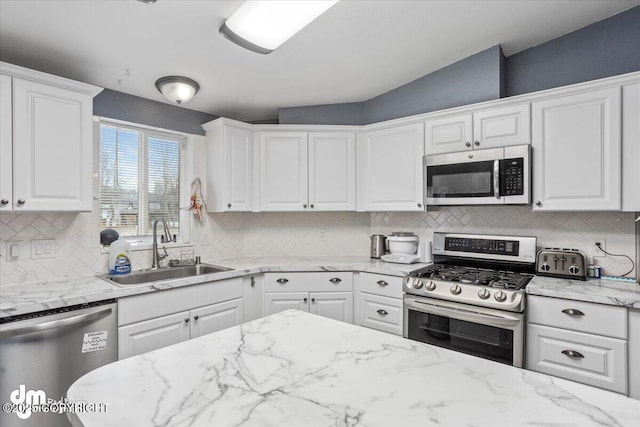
x: 381, y: 313
x: 277, y: 302
x: 213, y: 318
x: 283, y: 171
x: 6, y: 139
x: 631, y: 148
x: 239, y: 159
x: 577, y: 152
x: 252, y: 297
x: 142, y: 337
x: 448, y: 134
x: 390, y: 169
x: 634, y: 353
x: 52, y: 148
x: 500, y: 127
x: 335, y: 305
x: 332, y: 171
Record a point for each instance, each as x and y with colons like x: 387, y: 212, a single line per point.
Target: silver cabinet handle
x: 21, y: 201
x: 335, y: 280
x: 11, y: 330
x: 382, y: 312
x: 4, y: 201
x: 282, y: 281
x: 196, y: 317
x: 468, y: 144
x: 572, y: 312
x: 186, y: 320
x: 253, y: 282
x: 573, y: 354
x: 382, y: 283
x: 476, y: 143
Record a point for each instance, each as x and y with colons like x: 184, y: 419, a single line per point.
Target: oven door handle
x: 496, y: 178
x: 467, y: 315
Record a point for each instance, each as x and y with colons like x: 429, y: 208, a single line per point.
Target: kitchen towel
x: 197, y: 201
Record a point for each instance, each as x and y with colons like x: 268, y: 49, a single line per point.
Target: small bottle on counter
x: 591, y: 272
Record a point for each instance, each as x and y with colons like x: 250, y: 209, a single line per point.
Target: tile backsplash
x: 223, y: 235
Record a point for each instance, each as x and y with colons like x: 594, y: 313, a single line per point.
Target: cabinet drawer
x: 380, y: 284
x: 580, y: 316
x: 381, y: 313
x: 160, y: 303
x: 597, y: 361
x: 306, y: 282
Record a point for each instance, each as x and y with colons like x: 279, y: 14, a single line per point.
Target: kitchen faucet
x: 155, y: 262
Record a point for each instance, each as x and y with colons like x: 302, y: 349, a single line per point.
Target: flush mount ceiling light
x: 177, y: 89
x: 262, y: 26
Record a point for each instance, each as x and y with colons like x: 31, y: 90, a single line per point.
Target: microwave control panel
x: 512, y: 177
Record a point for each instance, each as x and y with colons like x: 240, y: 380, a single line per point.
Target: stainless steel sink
x: 168, y: 273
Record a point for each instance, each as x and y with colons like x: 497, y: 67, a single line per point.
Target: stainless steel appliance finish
x: 479, y: 177
x: 472, y: 298
x: 563, y: 263
x: 49, y: 350
x: 378, y: 245
x: 166, y: 273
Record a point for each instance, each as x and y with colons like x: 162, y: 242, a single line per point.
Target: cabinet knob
x: 419, y: 205
x: 382, y: 312
x: 335, y: 280
x: 21, y: 201
x: 305, y: 300
x: 229, y: 205
x: 282, y: 281
x: 304, y: 206
x: 186, y: 320
x: 476, y: 143
x: 311, y: 206
x: 382, y: 283
x: 313, y: 300
x: 196, y: 317
x: 4, y: 201
x: 573, y: 354
x: 470, y: 156
x: 538, y: 203
x: 468, y: 144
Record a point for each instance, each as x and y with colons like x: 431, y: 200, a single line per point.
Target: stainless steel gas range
x: 472, y: 299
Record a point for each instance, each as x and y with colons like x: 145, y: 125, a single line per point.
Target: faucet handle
x: 198, y: 260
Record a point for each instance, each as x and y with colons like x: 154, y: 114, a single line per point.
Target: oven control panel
x: 483, y: 246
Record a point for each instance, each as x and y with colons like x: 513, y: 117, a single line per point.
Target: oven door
x: 483, y: 332
x: 463, y: 178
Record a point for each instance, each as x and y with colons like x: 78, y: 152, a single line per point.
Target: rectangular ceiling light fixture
x: 262, y: 26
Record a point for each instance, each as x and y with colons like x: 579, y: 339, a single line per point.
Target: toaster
x: 561, y: 262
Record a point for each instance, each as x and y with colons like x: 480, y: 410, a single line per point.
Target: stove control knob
x: 545, y: 267
x: 500, y: 296
x: 417, y: 283
x: 456, y: 289
x: 431, y: 286
x: 484, y: 293
x: 574, y: 269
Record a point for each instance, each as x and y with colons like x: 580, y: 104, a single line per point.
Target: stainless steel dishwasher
x: 48, y: 351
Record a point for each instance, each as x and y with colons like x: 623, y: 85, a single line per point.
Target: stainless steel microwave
x: 495, y: 176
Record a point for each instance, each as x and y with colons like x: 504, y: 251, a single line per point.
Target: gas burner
x: 474, y: 276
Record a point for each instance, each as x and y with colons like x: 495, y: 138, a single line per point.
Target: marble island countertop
x: 24, y: 298
x: 603, y: 291
x: 273, y: 372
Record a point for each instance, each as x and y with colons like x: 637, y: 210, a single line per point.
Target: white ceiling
x: 355, y: 51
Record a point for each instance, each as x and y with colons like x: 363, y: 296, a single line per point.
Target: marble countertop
x: 24, y: 298
x: 603, y: 291
x: 273, y: 372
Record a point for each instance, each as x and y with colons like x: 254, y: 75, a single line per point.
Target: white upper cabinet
x: 489, y: 128
x: 631, y: 148
x: 332, y: 171
x: 6, y: 150
x: 283, y: 171
x: 577, y: 152
x: 47, y: 132
x: 390, y: 169
x: 229, y: 166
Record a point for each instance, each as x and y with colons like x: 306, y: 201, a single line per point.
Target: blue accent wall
x: 351, y: 113
x: 606, y: 48
x: 122, y: 106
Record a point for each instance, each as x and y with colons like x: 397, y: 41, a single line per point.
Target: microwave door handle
x: 496, y: 178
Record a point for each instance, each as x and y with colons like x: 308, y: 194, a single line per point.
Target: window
x: 139, y: 179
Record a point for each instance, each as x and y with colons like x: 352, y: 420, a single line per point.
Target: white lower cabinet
x: 325, y: 294
x: 634, y: 353
x: 150, y: 321
x: 379, y: 302
x: 579, y: 341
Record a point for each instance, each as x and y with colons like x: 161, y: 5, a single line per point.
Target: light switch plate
x: 43, y: 249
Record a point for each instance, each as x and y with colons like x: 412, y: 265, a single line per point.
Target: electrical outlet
x: 601, y: 247
x: 16, y: 250
x: 323, y: 235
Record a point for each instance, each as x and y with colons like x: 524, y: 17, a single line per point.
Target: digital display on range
x: 482, y: 246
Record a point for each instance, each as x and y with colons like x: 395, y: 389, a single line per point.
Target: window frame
x: 142, y: 242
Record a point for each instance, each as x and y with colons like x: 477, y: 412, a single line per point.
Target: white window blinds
x: 139, y: 179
